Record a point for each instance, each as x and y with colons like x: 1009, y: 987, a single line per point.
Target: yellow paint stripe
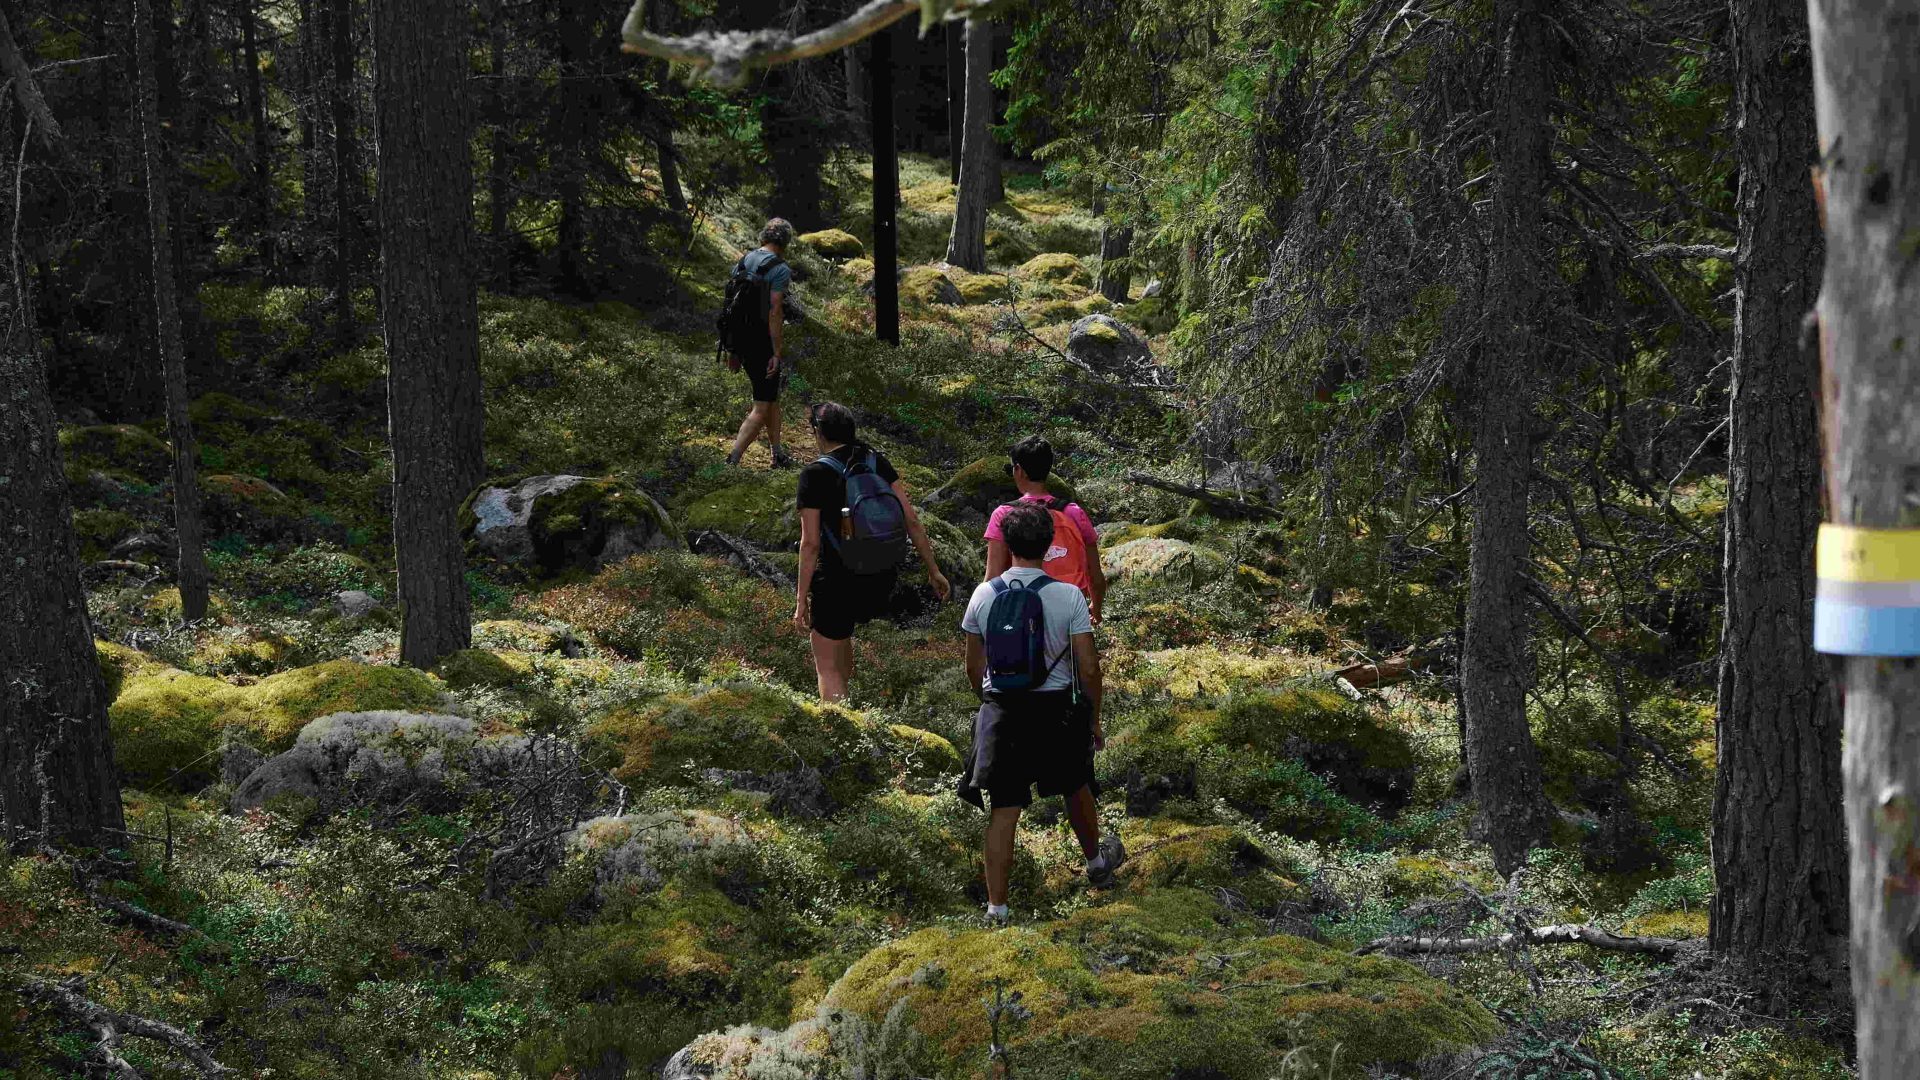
x: 1848, y: 553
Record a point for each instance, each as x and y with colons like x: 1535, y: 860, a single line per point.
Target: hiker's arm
x: 777, y: 324
x: 941, y: 587
x: 976, y: 665
x: 998, y: 558
x: 809, y: 558
x: 1087, y: 656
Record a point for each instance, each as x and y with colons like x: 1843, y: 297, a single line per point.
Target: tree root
x: 1569, y: 934
x: 111, y: 1025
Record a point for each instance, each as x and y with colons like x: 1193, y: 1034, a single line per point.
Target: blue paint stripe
x: 1857, y: 630
x: 1874, y: 594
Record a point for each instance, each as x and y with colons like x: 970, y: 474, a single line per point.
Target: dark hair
x: 778, y: 232
x: 832, y: 420
x: 1035, y: 455
x: 1028, y: 529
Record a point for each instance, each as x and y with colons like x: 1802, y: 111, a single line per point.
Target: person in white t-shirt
x: 1042, y: 738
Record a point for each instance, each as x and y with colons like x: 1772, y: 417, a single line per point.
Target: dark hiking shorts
x: 766, y: 388
x: 842, y: 601
x: 1027, y: 742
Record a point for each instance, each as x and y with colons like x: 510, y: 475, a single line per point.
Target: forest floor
x: 643, y: 834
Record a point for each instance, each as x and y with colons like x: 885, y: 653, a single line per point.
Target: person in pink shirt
x: 1074, y: 556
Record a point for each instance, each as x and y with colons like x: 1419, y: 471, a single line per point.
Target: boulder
x: 833, y: 244
x: 1110, y: 348
x: 637, y: 851
x: 551, y: 523
x: 249, y: 506
x: 1161, y: 559
x: 1154, y: 288
x: 926, y: 286
x: 355, y: 603
x: 760, y: 510
x: 971, y: 494
x: 117, y: 448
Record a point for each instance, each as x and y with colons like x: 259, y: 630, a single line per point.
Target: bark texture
x: 979, y: 157
x: 57, y: 778
x: 1866, y: 65
x: 432, y: 331
x: 189, y: 535
x: 1778, y: 848
x: 886, y: 196
x: 345, y: 220
x: 1116, y: 275
x: 1513, y: 814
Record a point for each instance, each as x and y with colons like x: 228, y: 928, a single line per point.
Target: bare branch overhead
x: 728, y: 57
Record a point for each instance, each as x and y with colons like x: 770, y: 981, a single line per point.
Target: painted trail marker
x: 1867, y: 601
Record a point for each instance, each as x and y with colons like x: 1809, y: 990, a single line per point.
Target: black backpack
x: 878, y: 522
x: 743, y: 315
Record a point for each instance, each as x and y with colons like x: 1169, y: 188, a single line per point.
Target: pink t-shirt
x: 1074, y: 514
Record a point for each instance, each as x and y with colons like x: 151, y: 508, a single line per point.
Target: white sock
x: 998, y: 911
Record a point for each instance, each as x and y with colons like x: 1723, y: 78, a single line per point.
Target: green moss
x: 1422, y: 877
x: 760, y: 510
x: 1151, y: 315
x: 515, y: 635
x: 833, y: 243
x: 1052, y: 312
x: 118, y: 448
x: 1056, y: 267
x: 922, y: 754
x: 747, y: 728
x: 926, y: 286
x: 1184, y: 528
x: 860, y: 270
x: 972, y: 493
x: 117, y: 663
x: 1175, y: 854
x: 1277, y: 722
x: 980, y: 288
x: 167, y: 726
x: 1668, y: 924
x: 98, y: 530
x: 1236, y: 1012
x: 1161, y: 559
x: 278, y: 707
x: 471, y: 668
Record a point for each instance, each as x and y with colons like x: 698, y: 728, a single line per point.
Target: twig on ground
x: 1569, y: 934
x: 110, y: 1025
x: 1224, y: 505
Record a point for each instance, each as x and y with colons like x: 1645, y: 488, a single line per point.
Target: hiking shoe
x: 1113, y: 855
x: 996, y: 921
x: 733, y: 461
x: 782, y: 459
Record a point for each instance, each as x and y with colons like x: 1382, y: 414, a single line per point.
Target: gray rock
x: 355, y: 603
x: 371, y: 757
x: 1154, y: 288
x: 1111, y: 349
x: 238, y: 761
x: 518, y: 525
x: 637, y: 851
x: 1107, y: 528
x: 1161, y: 559
x: 681, y: 1067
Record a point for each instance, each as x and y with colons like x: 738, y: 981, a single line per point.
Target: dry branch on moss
x: 1571, y: 934
x: 1225, y: 506
x: 111, y: 1025
x: 728, y: 57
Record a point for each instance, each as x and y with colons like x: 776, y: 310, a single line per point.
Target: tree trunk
x: 886, y: 196
x: 346, y: 330
x: 1777, y: 832
x: 166, y: 321
x: 1116, y: 275
x: 257, y: 119
x: 432, y: 325
x: 57, y: 778
x: 1866, y: 64
x: 979, y: 157
x: 1513, y: 813
x: 568, y: 136
x: 956, y: 97
x: 499, y: 194
x: 670, y: 179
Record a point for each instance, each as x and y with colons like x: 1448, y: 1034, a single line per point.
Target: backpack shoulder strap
x: 999, y: 585
x: 833, y: 463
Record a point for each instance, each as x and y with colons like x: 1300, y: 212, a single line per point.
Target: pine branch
x: 728, y: 57
x: 110, y: 1025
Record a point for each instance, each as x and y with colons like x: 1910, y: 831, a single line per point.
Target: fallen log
x: 1569, y: 934
x: 1387, y: 672
x: 110, y: 1025
x: 1225, y: 506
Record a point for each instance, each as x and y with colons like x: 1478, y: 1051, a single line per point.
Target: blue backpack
x: 879, y: 541
x: 1015, y: 636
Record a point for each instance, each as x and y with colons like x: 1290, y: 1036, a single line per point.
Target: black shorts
x: 1023, y: 742
x: 842, y: 601
x: 766, y: 388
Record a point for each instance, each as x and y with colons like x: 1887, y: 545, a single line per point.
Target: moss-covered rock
x: 279, y: 706
x: 1056, y: 267
x: 833, y: 244
x: 117, y: 448
x: 1150, y: 315
x: 117, y: 662
x: 249, y: 506
x: 1366, y: 758
x: 970, y: 495
x: 1189, y: 529
x: 860, y: 270
x: 761, y: 510
x: 923, y: 287
x: 1051, y: 312
x: 517, y: 635
x: 1182, y: 1005
x: 1173, y: 854
x: 1007, y: 247
x: 980, y: 288
x: 1163, y: 560
x: 98, y: 529
x: 759, y: 738
x: 921, y: 754
x: 550, y: 523
x: 471, y: 668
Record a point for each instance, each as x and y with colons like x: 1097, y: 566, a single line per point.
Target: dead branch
x: 1224, y: 505
x: 110, y: 1025
x: 26, y: 89
x: 1568, y: 934
x: 741, y: 554
x: 1686, y: 251
x: 728, y: 57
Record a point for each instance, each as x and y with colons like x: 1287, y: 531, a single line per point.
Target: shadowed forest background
x: 399, y: 680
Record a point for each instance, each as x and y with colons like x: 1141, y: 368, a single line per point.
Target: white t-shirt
x: 1065, y: 608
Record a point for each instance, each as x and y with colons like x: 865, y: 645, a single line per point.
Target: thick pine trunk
x: 192, y: 565
x: 886, y: 195
x: 432, y: 325
x: 956, y: 97
x: 979, y: 157
x: 257, y: 120
x: 1778, y: 850
x: 345, y: 220
x: 57, y: 778
x: 568, y: 136
x: 1866, y: 65
x: 1496, y: 669
x: 499, y: 194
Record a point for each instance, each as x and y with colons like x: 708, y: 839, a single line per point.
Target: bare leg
x: 1000, y: 829
x: 833, y: 664
x: 772, y: 421
x: 1084, y: 815
x: 750, y: 428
